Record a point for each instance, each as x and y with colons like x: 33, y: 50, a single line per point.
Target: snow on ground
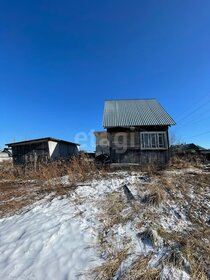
x: 54, y: 240
x: 46, y: 243
x: 57, y: 239
x: 174, y: 274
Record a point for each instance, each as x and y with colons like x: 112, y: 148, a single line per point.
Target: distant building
x: 136, y: 132
x: 42, y: 149
x: 186, y: 148
x: 5, y: 155
x: 190, y: 149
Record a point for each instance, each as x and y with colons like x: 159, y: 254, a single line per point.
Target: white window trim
x: 154, y: 148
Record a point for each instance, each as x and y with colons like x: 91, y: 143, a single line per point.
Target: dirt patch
x: 17, y: 195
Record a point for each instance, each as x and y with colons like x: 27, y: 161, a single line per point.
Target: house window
x: 153, y: 140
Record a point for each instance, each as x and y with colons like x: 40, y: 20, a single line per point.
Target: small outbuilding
x: 42, y: 149
x: 5, y: 155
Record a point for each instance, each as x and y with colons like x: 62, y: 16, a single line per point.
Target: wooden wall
x: 125, y: 146
x: 23, y: 153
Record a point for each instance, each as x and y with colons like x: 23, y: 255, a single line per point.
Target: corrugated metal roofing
x: 135, y: 112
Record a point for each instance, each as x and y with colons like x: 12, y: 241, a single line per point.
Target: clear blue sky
x: 59, y: 60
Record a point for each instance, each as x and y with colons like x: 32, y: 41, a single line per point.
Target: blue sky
x: 59, y: 61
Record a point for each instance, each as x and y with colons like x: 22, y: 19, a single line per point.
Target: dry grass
x: 175, y: 257
x: 109, y: 268
x: 151, y: 169
x: 155, y: 196
x: 194, y: 242
x: 187, y: 250
x: 16, y: 195
x: 20, y: 187
x: 80, y: 168
x: 186, y: 161
x: 7, y: 171
x: 166, y: 235
x: 139, y: 270
x: 114, y: 209
x: 173, y: 188
x: 198, y: 255
x: 191, y: 247
x: 179, y: 162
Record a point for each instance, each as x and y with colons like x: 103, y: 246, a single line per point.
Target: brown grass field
x: 183, y: 182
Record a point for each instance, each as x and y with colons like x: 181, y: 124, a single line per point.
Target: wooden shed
x: 136, y: 131
x: 42, y: 149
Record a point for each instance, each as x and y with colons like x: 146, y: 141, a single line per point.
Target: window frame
x: 152, y: 138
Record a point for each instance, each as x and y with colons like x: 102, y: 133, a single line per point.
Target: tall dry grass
x: 21, y: 186
x: 186, y: 161
x: 79, y: 168
x: 7, y: 171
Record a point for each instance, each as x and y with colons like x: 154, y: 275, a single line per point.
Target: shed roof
x: 40, y: 140
x: 135, y: 112
x: 187, y: 147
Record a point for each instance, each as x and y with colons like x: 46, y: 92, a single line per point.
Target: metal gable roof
x: 135, y: 112
x: 40, y: 140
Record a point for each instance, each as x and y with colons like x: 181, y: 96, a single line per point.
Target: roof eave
x: 124, y: 126
x: 46, y: 139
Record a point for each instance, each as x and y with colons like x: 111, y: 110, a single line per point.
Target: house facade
x: 102, y: 143
x: 42, y: 149
x: 136, y: 131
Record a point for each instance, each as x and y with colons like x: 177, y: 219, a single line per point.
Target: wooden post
x: 35, y: 160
